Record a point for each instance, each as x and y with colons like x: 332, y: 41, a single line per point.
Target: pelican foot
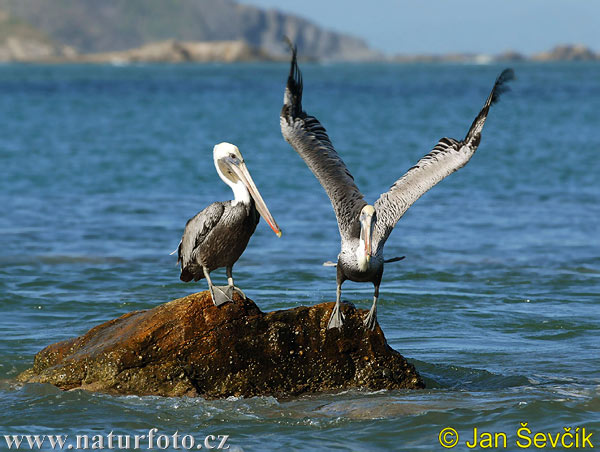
x: 220, y: 294
x: 337, y: 318
x: 239, y: 291
x: 230, y: 290
x: 371, y: 319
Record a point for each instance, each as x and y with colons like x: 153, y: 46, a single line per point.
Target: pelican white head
x: 232, y: 170
x: 225, y: 155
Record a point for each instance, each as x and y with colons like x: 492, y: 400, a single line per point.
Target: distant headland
x: 74, y: 31
x: 565, y: 52
x: 69, y: 30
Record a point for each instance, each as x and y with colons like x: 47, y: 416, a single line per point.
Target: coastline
x: 172, y: 51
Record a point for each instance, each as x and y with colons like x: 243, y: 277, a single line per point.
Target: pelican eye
x: 233, y: 156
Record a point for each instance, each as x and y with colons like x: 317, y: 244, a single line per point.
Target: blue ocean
x: 496, y: 303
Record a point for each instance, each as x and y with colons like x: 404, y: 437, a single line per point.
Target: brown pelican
x: 217, y: 236
x: 364, y: 228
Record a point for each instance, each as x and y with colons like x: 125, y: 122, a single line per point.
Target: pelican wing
x: 446, y: 157
x: 309, y: 139
x: 195, y: 232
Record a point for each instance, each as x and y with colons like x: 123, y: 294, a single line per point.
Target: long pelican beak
x: 244, y: 175
x: 365, y: 233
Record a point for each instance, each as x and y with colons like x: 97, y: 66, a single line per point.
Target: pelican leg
x: 232, y: 288
x: 337, y: 318
x: 219, y: 296
x: 371, y: 318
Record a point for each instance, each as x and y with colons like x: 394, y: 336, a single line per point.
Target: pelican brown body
x: 211, y: 231
x: 365, y: 228
x: 218, y: 235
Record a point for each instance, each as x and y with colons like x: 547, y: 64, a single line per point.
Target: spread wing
x: 195, y: 232
x: 446, y: 157
x: 309, y: 139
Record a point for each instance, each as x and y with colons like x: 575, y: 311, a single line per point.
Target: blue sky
x: 441, y: 26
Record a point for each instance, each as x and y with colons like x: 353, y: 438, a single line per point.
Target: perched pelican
x: 217, y: 236
x: 364, y: 228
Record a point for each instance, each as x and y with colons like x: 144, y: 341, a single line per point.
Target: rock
x: 172, y: 51
x: 559, y: 53
x: 20, y: 42
x: 32, y: 50
x: 443, y: 58
x: 190, y: 347
x: 510, y: 55
x: 567, y: 53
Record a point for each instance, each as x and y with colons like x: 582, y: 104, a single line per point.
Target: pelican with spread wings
x: 364, y: 228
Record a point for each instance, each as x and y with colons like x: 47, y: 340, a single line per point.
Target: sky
x: 443, y: 26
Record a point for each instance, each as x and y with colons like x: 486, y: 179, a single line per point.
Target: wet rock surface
x: 190, y: 347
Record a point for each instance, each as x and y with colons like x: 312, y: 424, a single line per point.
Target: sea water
x: 496, y: 303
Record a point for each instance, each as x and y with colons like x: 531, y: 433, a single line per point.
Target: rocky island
x: 189, y: 347
x: 172, y: 51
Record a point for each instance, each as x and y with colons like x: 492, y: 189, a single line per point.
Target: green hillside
x: 12, y: 27
x: 108, y: 25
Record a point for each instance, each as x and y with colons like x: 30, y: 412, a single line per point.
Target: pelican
x: 364, y: 228
x: 217, y: 236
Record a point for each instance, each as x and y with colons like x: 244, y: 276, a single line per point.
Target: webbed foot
x: 371, y: 319
x: 221, y: 294
x: 337, y: 318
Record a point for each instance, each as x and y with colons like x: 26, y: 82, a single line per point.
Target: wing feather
x: 448, y: 156
x: 196, y: 231
x: 310, y: 140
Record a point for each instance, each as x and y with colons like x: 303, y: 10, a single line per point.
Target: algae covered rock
x: 191, y: 347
